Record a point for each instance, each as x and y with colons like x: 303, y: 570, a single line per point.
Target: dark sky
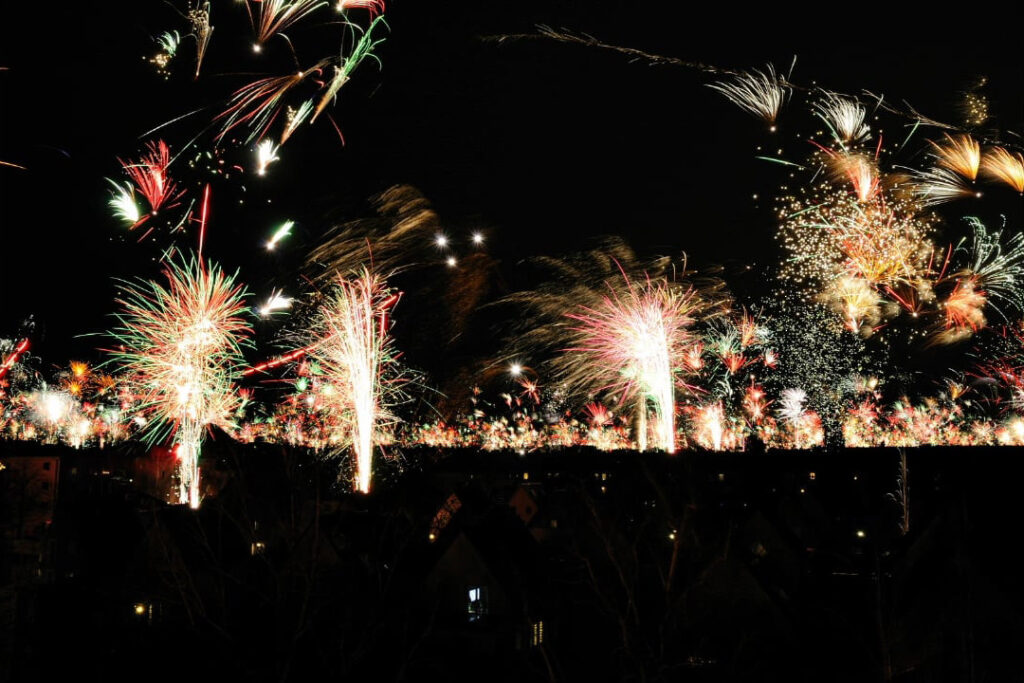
x: 544, y: 145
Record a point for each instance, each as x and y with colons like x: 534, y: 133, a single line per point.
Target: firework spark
x: 1005, y: 166
x: 180, y: 346
x: 374, y: 7
x: 760, y: 93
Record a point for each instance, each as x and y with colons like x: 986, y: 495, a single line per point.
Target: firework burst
x: 274, y: 16
x: 179, y: 346
x: 1005, y: 167
x: 346, y: 64
x: 960, y: 154
x: 374, y: 7
x: 759, y: 93
x: 633, y: 343
x: 258, y: 104
x: 122, y: 203
x: 199, y: 17
x: 941, y: 185
x: 844, y: 118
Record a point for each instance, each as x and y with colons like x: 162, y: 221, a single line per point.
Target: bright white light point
x: 266, y: 153
x: 451, y: 261
x: 478, y: 238
x: 275, y: 302
x: 441, y: 241
x: 256, y: 48
x: 860, y: 533
x: 515, y: 369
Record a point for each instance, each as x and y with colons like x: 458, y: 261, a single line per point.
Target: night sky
x: 544, y: 146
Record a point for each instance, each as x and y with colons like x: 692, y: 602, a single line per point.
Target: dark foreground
x: 570, y: 566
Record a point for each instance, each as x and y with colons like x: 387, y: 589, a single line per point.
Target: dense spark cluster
x: 179, y: 347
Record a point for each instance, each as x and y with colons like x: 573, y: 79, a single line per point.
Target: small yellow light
x: 140, y: 608
x: 861, y: 533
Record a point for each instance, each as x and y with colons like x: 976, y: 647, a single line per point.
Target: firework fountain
x: 357, y: 358
x: 179, y: 346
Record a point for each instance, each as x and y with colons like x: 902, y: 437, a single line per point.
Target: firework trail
x: 354, y: 348
x: 199, y: 17
x: 401, y: 233
x: 274, y: 16
x: 1005, y: 167
x: 632, y: 342
x: 284, y: 231
x: 960, y: 154
x: 345, y: 65
x: 179, y: 346
x: 258, y: 104
x: 760, y: 93
x: 374, y: 7
x: 274, y: 303
x: 12, y: 358
x: 122, y: 203
x: 266, y: 154
x: 294, y: 117
x: 940, y: 185
x: 844, y: 118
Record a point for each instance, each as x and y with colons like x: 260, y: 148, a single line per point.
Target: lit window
x: 477, y: 604
x: 537, y: 633
x: 258, y: 548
